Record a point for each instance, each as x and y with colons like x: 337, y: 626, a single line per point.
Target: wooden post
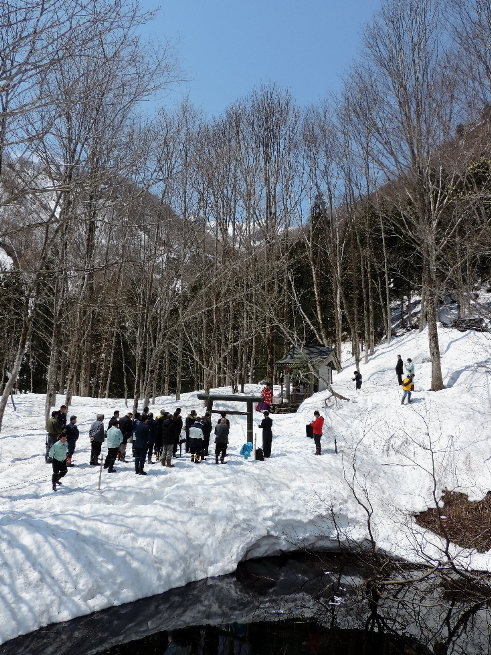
x: 100, y: 472
x: 249, y: 421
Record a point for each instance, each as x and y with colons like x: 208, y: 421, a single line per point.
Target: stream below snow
x: 315, y: 604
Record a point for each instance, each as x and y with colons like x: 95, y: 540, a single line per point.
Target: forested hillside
x: 151, y: 254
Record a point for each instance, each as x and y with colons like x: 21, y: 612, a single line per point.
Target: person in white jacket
x: 114, y: 439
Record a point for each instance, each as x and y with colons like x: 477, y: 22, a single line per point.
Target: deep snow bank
x: 81, y: 550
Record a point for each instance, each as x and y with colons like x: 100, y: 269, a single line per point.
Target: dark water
x: 313, y: 604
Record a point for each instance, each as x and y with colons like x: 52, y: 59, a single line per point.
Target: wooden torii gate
x: 236, y: 398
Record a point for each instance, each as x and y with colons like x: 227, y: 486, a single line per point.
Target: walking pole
x: 255, y: 442
x: 100, y: 473
x: 335, y: 446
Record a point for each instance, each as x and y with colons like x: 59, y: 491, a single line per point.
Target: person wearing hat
x: 72, y: 436
x: 267, y: 428
x: 357, y: 379
x: 196, y: 440
x: 190, y: 419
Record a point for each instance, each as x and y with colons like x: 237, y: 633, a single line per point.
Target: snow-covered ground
x: 79, y: 550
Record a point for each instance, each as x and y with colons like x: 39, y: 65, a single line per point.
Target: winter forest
x: 156, y: 251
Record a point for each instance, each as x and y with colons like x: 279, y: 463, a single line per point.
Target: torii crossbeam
x: 236, y: 398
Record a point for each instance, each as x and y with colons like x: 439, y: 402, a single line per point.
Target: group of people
x: 406, y: 383
x: 160, y: 437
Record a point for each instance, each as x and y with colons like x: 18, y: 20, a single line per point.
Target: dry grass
x: 464, y: 522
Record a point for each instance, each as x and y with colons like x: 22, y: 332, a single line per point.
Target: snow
x: 79, y: 550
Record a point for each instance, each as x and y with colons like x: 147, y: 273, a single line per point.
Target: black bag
x: 309, y: 430
x: 259, y: 454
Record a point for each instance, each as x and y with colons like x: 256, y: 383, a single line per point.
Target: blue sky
x: 227, y: 47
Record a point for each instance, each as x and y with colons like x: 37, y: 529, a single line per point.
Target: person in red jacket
x: 317, y: 425
x: 267, y: 394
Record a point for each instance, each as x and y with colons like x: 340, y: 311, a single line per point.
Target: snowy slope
x: 70, y: 553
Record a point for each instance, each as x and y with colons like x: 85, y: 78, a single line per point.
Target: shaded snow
x: 79, y: 550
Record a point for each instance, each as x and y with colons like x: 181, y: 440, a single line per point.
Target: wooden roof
x: 305, y: 355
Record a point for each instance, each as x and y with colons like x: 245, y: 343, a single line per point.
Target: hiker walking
x: 399, y: 369
x: 409, y: 367
x: 407, y: 387
x: 317, y: 425
x: 357, y: 379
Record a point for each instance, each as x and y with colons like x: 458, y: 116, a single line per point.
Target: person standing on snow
x: 170, y: 437
x: 267, y: 427
x: 152, y: 436
x: 114, y: 439
x: 357, y: 379
x: 407, y: 387
x: 409, y: 367
x: 190, y: 419
x: 177, y: 418
x: 222, y: 430
x: 96, y: 436
x: 126, y: 427
x: 267, y: 394
x: 399, y: 369
x: 62, y: 417
x: 196, y: 441
x: 317, y: 425
x: 207, y: 428
x: 54, y: 430
x: 57, y: 453
x: 142, y: 436
x: 72, y: 436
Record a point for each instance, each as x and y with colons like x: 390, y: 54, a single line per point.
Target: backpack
x: 259, y: 454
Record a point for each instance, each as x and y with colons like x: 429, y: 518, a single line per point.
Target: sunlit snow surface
x: 79, y: 550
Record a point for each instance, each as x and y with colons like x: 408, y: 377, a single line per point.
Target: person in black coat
x: 267, y: 428
x: 207, y: 428
x: 170, y: 436
x: 357, y: 379
x: 177, y: 418
x: 72, y: 436
x: 399, y: 369
x: 152, y: 436
x: 142, y: 436
x: 190, y: 419
x: 126, y: 427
